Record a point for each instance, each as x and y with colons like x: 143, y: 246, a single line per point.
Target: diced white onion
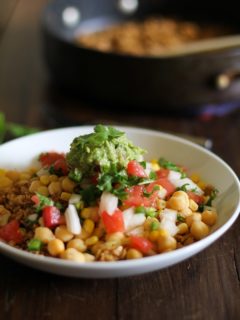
x: 169, y: 214
x: 33, y: 217
x: 189, y: 184
x: 42, y: 172
x: 170, y: 226
x: 75, y: 198
x: 174, y: 175
x: 108, y: 203
x: 139, y: 231
x: 132, y: 220
x: 168, y: 221
x: 162, y: 193
x: 72, y: 220
x: 148, y: 168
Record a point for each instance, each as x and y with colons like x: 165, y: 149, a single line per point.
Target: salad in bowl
x: 100, y: 201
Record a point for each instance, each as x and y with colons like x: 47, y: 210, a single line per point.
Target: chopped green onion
x: 34, y: 245
x: 154, y: 226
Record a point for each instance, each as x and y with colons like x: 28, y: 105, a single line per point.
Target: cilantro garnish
x: 180, y: 218
x: 43, y: 202
x: 171, y: 166
x: 212, y: 196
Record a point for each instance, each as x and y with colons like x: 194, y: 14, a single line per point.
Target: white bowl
x: 20, y: 153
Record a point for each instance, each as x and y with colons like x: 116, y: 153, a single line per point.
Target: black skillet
x: 207, y: 73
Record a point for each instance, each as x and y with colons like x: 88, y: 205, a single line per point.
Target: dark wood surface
x: 206, y: 286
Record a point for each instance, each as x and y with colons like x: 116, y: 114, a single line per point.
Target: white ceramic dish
x: 21, y: 152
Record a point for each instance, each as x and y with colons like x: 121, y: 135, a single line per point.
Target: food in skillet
x: 102, y: 202
x: 153, y: 36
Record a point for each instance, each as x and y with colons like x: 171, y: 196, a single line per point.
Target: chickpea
x: 55, y: 247
x: 166, y: 243
x: 34, y: 186
x: 73, y: 255
x: 44, y: 234
x: 199, y: 230
x: 13, y: 175
x: 55, y: 188
x: 68, y: 185
x: 179, y: 201
x: 43, y: 190
x: 194, y: 217
x: 45, y: 180
x: 209, y: 217
x: 134, y: 254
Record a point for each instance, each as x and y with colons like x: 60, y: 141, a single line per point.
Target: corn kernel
x: 88, y: 212
x: 182, y: 228
x: 88, y: 226
x: 89, y: 257
x: 193, y: 205
x: 65, y: 196
x: 77, y: 244
x: 195, y: 177
x: 153, y: 235
x: 202, y: 185
x: 73, y: 255
x: 134, y: 254
x: 63, y: 234
x: 91, y: 241
x: 55, y: 247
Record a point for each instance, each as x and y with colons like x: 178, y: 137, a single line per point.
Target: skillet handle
x: 226, y: 79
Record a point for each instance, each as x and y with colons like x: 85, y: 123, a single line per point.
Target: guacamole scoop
x: 100, y: 150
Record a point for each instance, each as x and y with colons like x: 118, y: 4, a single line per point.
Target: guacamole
x: 99, y: 150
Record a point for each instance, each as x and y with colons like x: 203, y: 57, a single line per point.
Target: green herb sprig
x: 13, y: 129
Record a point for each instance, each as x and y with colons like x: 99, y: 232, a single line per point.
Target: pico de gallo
x: 103, y: 202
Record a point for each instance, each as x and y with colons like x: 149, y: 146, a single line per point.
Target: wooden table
x: 206, y: 286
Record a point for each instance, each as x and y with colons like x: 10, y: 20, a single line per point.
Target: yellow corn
x: 89, y: 212
x: 91, y: 241
x: 202, y: 185
x: 5, y: 182
x: 153, y: 235
x: 65, y: 196
x: 88, y: 226
x: 195, y: 177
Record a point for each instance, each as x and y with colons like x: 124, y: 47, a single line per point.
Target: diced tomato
x: 195, y: 197
x: 48, y: 158
x: 11, y: 232
x: 166, y: 184
x: 35, y: 199
x: 60, y: 166
x: 51, y: 216
x: 162, y: 173
x: 141, y: 244
x: 113, y: 223
x: 134, y: 168
x: 136, y: 198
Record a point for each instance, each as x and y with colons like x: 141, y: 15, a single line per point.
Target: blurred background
x: 50, y: 77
